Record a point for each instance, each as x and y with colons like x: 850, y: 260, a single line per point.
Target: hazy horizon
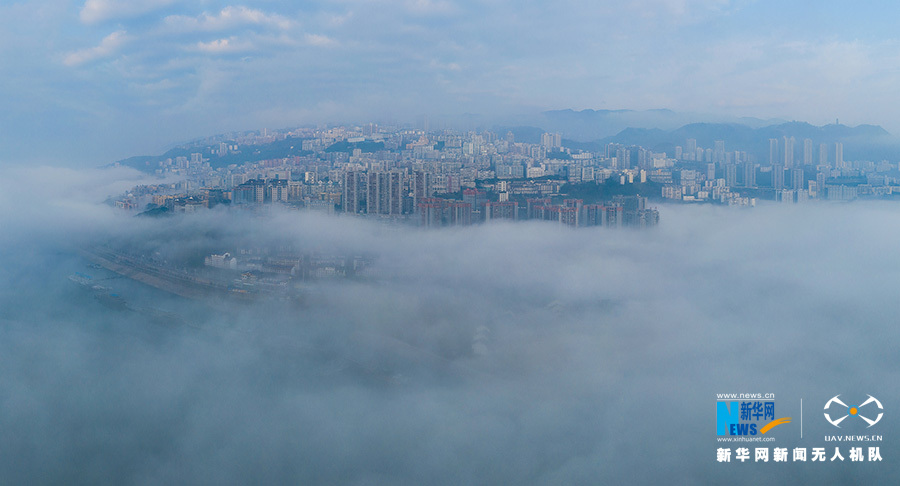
x: 93, y: 81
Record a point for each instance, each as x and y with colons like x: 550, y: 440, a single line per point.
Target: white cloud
x: 334, y: 20
x: 224, y: 46
x: 440, y: 66
x: 59, y: 198
x: 227, y: 18
x: 95, y: 11
x: 319, y: 40
x: 107, y: 47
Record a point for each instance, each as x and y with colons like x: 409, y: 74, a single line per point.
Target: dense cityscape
x: 445, y: 178
x: 424, y: 178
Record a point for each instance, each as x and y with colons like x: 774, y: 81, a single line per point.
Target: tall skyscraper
x: 797, y: 179
x: 690, y: 149
x: 823, y: 154
x: 421, y: 186
x: 719, y: 153
x: 777, y: 177
x: 773, y: 151
x: 611, y: 150
x: 623, y: 158
x: 351, y: 192
x: 383, y: 193
x: 788, y: 152
x: 807, y: 151
x: 551, y: 140
x: 501, y: 210
x: 730, y: 175
x: 838, y: 155
x: 749, y: 174
x: 374, y: 190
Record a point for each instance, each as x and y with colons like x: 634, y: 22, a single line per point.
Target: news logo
x: 747, y: 417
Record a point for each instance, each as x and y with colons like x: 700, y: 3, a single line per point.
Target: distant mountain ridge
x: 662, y: 130
x: 587, y: 125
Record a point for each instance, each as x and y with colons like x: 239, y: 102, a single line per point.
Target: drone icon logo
x: 854, y: 411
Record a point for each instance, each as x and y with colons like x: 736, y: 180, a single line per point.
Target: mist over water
x: 493, y: 354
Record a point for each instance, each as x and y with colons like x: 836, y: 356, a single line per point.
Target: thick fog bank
x: 494, y: 354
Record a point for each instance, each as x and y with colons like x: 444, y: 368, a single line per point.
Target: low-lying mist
x: 494, y: 354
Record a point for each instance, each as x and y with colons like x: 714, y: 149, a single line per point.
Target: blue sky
x: 89, y: 81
